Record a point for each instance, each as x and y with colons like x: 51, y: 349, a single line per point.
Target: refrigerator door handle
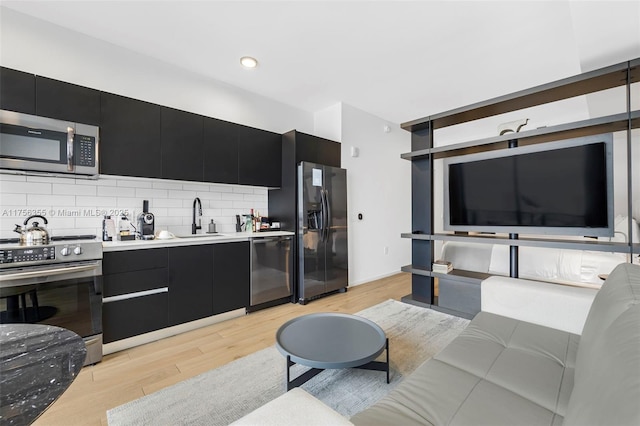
x: 323, y: 212
x: 325, y: 215
x: 327, y: 225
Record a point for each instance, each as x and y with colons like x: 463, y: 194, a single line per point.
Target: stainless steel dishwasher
x: 271, y: 271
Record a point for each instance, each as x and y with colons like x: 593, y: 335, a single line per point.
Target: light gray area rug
x: 223, y: 395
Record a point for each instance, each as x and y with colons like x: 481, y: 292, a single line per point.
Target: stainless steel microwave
x: 29, y: 143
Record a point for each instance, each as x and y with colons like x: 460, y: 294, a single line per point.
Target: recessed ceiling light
x: 248, y: 62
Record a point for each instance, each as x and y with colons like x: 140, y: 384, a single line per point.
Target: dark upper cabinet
x: 297, y: 147
x: 181, y: 141
x: 314, y: 149
x: 329, y: 153
x: 129, y: 137
x: 66, y: 101
x: 147, y: 140
x: 231, y: 276
x: 259, y: 153
x: 17, y: 91
x: 190, y: 283
x: 220, y: 151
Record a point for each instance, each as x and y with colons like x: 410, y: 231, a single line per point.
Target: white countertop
x: 190, y: 241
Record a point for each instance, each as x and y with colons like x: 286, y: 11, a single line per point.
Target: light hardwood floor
x: 133, y: 373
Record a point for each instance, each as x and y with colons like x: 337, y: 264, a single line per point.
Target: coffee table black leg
x: 387, y: 349
x: 378, y: 365
x: 301, y: 379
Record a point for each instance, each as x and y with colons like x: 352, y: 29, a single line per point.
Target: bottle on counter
x: 108, y: 228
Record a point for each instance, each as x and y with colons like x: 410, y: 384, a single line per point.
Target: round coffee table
x: 329, y: 341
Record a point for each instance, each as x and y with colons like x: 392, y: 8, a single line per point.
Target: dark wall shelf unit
x: 603, y: 246
x: 459, y: 290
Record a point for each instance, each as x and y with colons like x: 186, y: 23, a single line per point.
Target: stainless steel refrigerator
x: 323, y: 265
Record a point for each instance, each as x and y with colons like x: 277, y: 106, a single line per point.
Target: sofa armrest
x: 294, y: 408
x: 552, y: 305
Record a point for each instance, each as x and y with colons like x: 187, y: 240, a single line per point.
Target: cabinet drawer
x: 132, y: 282
x: 459, y: 296
x: 131, y: 317
x: 134, y: 260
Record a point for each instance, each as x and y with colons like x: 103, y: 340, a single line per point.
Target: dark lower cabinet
x: 126, y: 311
x: 115, y: 262
x: 147, y: 290
x: 190, y: 283
x: 134, y: 316
x: 259, y: 157
x: 231, y: 276
x: 17, y: 91
x: 66, y: 101
x: 129, y: 137
x: 181, y: 141
x: 220, y: 151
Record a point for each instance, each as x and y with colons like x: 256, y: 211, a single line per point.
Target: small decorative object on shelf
x: 512, y: 126
x: 442, y: 267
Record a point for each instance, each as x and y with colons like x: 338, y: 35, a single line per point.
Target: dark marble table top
x: 37, y: 364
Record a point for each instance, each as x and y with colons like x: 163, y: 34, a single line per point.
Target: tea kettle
x: 34, y: 235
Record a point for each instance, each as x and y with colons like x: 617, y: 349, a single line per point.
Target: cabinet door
x: 66, y: 101
x: 306, y: 147
x: 220, y: 151
x: 133, y: 260
x: 329, y: 153
x: 129, y: 137
x: 260, y: 159
x: 231, y: 276
x: 17, y: 91
x: 131, y: 317
x: 181, y: 136
x: 135, y: 281
x: 317, y: 150
x: 190, y: 283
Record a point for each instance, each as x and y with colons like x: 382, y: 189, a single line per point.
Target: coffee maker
x: 146, y: 222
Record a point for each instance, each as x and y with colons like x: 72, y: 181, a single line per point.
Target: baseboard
x: 379, y: 277
x: 120, y: 345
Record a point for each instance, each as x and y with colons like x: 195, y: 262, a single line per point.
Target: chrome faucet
x: 195, y: 227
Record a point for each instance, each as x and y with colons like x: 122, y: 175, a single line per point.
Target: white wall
x: 379, y: 181
x: 378, y: 186
x: 35, y: 46
x: 76, y: 206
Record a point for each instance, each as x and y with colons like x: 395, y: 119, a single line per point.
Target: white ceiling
x: 397, y: 60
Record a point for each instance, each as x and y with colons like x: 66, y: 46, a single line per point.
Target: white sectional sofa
x: 537, y: 354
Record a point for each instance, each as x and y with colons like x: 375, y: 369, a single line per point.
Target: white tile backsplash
x: 76, y: 206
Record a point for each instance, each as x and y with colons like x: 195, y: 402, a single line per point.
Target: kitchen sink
x: 200, y: 235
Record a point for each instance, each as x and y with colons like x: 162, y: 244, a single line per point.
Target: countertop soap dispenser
x: 212, y: 227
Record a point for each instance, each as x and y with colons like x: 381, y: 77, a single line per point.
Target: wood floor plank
x: 133, y: 373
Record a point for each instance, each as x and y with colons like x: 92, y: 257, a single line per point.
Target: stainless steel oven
x: 56, y: 284
x: 30, y: 143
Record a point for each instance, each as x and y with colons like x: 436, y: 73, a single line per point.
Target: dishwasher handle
x: 264, y: 240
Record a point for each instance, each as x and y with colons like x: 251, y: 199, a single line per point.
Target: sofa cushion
x: 498, y: 371
x: 607, y: 373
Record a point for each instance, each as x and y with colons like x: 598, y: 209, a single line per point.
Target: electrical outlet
x: 386, y: 250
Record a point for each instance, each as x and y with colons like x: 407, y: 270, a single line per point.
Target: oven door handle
x: 48, y: 272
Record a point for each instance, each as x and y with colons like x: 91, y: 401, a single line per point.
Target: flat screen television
x: 557, y: 188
